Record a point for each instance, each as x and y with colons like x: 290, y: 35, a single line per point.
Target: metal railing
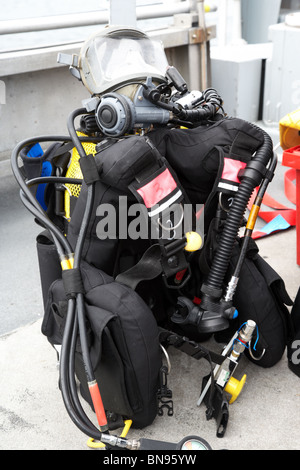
x: 90, y: 18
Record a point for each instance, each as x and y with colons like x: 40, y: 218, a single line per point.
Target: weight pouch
x: 124, y: 344
x: 119, y: 164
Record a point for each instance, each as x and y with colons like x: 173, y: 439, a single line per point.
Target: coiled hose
x: 212, y: 103
x: 252, y: 176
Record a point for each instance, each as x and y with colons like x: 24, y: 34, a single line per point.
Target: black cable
x: 53, y: 179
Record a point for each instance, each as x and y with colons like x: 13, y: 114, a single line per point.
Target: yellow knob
x: 234, y: 387
x: 193, y: 241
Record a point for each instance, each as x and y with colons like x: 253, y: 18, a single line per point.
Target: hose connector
x: 120, y: 442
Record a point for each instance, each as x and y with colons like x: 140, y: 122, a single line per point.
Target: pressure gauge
x: 193, y: 443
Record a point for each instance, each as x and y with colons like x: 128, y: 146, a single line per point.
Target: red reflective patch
x: 231, y: 169
x: 157, y: 189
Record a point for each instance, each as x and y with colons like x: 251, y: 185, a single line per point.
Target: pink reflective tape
x: 231, y: 169
x: 157, y: 189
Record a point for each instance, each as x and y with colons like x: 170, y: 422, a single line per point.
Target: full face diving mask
x: 130, y: 82
x: 113, y: 64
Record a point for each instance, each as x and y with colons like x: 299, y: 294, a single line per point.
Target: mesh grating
x: 74, y: 171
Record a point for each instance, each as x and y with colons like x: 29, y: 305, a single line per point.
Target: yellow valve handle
x: 193, y: 241
x: 234, y: 387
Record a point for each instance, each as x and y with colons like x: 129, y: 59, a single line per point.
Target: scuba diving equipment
x: 116, y: 114
x: 110, y: 303
x: 213, y: 389
x: 138, y: 92
x: 206, y: 321
x: 189, y: 443
x: 249, y: 228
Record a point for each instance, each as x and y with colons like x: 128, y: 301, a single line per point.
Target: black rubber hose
x: 66, y: 388
x: 206, y: 111
x: 28, y: 198
x: 214, y: 282
x: 212, y: 103
x: 78, y: 252
x: 53, y: 180
x: 72, y: 130
x: 233, y: 222
x: 67, y: 365
x: 78, y: 316
x: 67, y: 384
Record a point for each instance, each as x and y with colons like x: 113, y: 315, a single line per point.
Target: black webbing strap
x: 89, y: 169
x: 156, y: 261
x: 148, y: 268
x: 191, y: 348
x: 72, y: 282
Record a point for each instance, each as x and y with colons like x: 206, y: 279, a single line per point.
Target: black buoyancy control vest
x: 194, y: 156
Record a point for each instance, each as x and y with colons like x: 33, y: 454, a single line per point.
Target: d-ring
x: 175, y: 226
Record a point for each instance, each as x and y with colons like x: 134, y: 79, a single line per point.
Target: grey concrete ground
x: 32, y: 415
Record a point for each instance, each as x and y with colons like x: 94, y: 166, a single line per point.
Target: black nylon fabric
x: 196, y: 155
x: 99, y: 253
x: 120, y: 164
x: 124, y: 344
x: 261, y: 296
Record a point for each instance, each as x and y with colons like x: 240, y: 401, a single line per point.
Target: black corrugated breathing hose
x: 251, y: 178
